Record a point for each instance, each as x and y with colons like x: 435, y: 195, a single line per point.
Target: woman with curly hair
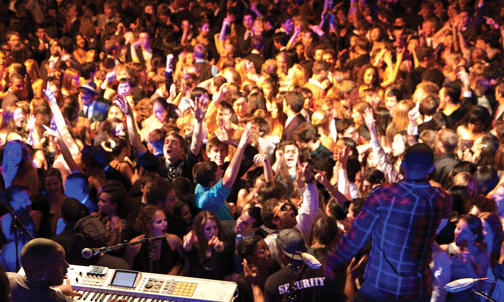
x: 165, y: 252
x: 369, y: 81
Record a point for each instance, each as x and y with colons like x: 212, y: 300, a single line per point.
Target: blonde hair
x: 400, y: 120
x: 299, y: 77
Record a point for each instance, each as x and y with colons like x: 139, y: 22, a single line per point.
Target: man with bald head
x: 43, y: 261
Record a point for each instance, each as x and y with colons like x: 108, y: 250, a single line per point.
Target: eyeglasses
x: 287, y: 206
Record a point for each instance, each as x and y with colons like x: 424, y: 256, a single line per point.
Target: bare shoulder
x: 136, y: 246
x: 174, y: 240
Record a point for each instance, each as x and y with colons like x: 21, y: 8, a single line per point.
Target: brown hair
x: 198, y: 227
x: 145, y: 218
x: 494, y: 222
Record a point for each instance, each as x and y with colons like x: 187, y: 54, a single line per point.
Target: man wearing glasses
x: 280, y: 214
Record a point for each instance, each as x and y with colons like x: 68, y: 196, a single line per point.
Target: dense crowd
x: 248, y: 131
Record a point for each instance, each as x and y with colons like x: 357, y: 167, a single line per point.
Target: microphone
x: 462, y: 284
x: 311, y: 261
x: 88, y: 252
x: 92, y: 252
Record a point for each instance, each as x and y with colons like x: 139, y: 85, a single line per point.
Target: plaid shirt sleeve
x: 355, y: 239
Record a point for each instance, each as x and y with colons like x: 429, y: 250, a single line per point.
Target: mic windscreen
x: 87, y: 253
x: 311, y: 261
x: 460, y: 285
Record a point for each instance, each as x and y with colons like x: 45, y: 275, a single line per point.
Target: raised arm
x: 234, y: 166
x: 321, y: 177
x: 39, y: 160
x: 186, y: 26
x: 383, y: 162
x: 309, y: 199
x: 413, y: 116
x: 199, y: 110
x: 60, y: 122
x: 263, y: 160
x: 219, y: 43
x: 293, y: 39
x: 65, y: 152
x: 394, y: 68
x: 131, y: 124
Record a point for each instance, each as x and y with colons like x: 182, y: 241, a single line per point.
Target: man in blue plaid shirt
x: 401, y: 221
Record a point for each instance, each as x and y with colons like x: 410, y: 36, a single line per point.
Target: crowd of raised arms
x: 221, y: 123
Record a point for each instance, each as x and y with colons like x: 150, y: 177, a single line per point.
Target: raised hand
x: 49, y: 94
x: 463, y: 76
x: 414, y: 113
x: 297, y: 29
x: 111, y: 76
x: 249, y: 272
x: 279, y: 155
x: 228, y: 20
x: 261, y: 159
x: 304, y: 170
x: 249, y: 67
x: 491, y: 22
x: 343, y: 157
x: 31, y: 122
x: 200, y: 107
x: 120, y: 101
x: 369, y: 118
x: 246, y: 135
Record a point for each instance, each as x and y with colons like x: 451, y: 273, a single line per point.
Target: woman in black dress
x: 166, y: 257
x: 207, y: 254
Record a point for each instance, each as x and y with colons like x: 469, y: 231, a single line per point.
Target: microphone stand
x: 147, y: 241
x: 483, y: 295
x: 16, y: 225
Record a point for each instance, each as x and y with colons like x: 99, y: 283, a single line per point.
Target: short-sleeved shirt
x: 213, y: 199
x: 24, y: 291
x: 310, y: 285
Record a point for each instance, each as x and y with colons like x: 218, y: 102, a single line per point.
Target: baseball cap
x: 291, y: 243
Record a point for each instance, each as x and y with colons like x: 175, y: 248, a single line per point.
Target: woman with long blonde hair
x: 399, y: 122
